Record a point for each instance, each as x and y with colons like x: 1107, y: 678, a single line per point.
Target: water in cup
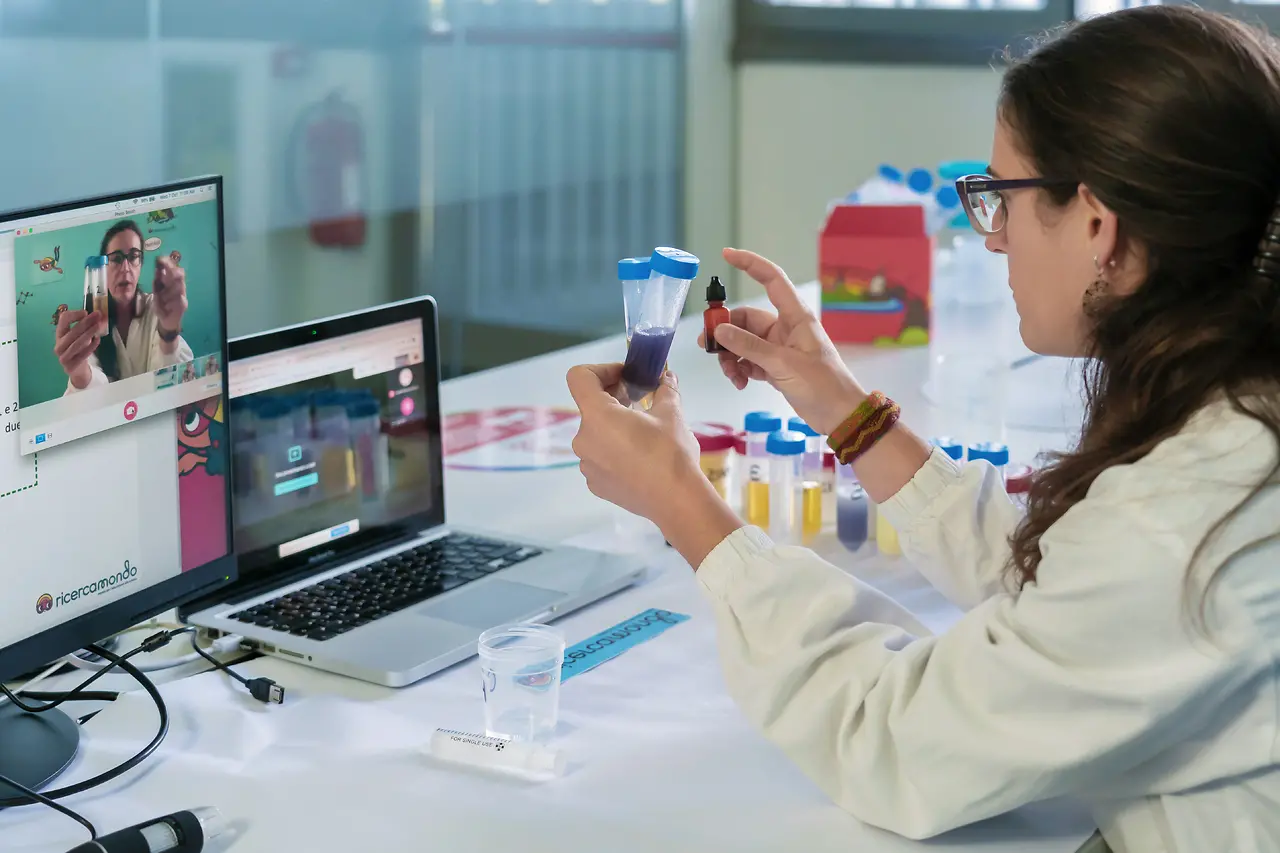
x: 520, y: 680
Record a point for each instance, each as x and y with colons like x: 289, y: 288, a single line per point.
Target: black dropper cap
x: 716, y: 291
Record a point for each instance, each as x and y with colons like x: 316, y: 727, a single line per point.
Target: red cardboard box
x: 875, y: 263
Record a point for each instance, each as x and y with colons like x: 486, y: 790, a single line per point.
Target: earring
x: 1096, y: 292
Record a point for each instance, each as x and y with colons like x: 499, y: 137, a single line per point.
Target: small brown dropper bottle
x: 715, y: 314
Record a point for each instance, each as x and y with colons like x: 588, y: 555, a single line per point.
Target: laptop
x: 346, y: 563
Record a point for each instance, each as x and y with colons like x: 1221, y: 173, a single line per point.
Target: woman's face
x: 1050, y: 252
x: 125, y: 253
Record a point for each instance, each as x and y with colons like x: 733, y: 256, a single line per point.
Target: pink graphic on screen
x: 202, y: 484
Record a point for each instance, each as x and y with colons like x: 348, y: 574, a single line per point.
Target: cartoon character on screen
x: 201, y: 430
x: 50, y: 264
x: 58, y: 312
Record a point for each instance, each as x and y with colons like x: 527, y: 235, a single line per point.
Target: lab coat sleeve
x: 158, y: 358
x: 954, y: 523
x: 97, y: 378
x: 1084, y: 675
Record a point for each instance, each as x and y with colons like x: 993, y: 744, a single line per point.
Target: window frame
x: 956, y: 37
x: 766, y: 33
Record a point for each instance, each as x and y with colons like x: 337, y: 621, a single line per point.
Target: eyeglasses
x: 118, y: 257
x: 983, y: 199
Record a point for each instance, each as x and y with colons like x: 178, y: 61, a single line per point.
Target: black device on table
x: 115, y: 499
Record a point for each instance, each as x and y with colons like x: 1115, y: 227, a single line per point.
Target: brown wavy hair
x: 1171, y: 116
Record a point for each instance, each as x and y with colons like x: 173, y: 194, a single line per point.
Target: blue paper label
x: 611, y: 642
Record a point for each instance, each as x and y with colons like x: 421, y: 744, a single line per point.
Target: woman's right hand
x: 75, y: 339
x: 790, y: 350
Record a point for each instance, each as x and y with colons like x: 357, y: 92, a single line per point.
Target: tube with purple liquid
x: 652, y: 314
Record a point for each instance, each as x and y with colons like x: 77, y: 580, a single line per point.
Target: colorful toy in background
x: 875, y: 263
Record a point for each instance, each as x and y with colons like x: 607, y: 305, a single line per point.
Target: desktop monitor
x: 114, y: 464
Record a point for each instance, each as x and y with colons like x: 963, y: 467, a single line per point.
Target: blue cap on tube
x: 633, y: 269
x: 949, y: 446
x: 947, y: 197
x: 784, y: 442
x: 95, y: 261
x: 992, y: 451
x: 762, y: 422
x: 889, y: 173
x: 675, y: 263
x: 920, y: 180
x: 798, y: 425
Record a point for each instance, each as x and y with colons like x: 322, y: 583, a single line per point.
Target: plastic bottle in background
x: 970, y: 358
x: 828, y: 489
x: 1017, y: 483
x: 755, y: 476
x: 991, y: 451
x: 853, y: 510
x: 786, y: 474
x: 886, y: 537
x: 949, y: 446
x: 716, y: 444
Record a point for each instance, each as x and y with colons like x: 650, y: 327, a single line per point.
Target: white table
x: 659, y: 756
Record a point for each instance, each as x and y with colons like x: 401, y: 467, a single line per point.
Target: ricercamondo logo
x: 101, y: 586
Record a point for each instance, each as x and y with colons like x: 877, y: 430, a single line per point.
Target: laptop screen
x: 334, y: 440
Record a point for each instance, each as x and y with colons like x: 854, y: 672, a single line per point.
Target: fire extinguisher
x: 329, y: 173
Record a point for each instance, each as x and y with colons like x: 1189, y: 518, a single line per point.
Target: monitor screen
x: 333, y: 440
x: 114, y: 485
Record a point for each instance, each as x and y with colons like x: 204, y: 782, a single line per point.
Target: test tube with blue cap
x: 632, y: 275
x: 950, y: 446
x: 817, y: 491
x: 653, y: 330
x: 786, y: 461
x: 990, y: 451
x: 755, y: 482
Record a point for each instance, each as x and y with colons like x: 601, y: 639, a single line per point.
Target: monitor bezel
x: 47, y: 646
x: 262, y: 569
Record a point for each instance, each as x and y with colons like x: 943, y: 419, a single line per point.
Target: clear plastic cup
x: 520, y: 676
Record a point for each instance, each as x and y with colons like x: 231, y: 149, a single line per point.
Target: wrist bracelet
x: 869, y: 422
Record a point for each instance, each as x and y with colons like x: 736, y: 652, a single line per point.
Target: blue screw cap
x: 762, y: 422
x: 992, y: 451
x: 785, y: 442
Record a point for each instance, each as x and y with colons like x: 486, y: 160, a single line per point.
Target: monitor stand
x: 34, y: 748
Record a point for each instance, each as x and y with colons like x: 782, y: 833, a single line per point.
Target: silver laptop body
x: 376, y: 586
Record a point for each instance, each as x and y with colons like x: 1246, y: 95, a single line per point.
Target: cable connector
x: 265, y: 690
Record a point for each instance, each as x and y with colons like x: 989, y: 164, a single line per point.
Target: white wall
x: 811, y: 133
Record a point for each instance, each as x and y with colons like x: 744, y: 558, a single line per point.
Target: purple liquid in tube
x: 646, y: 359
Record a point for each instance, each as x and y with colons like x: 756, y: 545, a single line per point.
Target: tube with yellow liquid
x: 755, y: 467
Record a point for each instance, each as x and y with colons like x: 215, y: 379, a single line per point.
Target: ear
x: 1101, y: 227
x: 1123, y: 267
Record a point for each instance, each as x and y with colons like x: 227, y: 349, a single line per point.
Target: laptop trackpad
x: 492, y: 604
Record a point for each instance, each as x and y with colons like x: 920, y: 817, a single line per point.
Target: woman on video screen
x: 141, y: 332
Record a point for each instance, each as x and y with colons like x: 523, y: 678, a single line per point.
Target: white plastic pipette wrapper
x: 527, y: 760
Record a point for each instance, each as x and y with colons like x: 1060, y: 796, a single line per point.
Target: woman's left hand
x: 647, y: 462
x: 170, y: 292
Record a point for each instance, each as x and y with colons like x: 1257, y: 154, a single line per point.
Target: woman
x: 141, y: 333
x: 1121, y: 640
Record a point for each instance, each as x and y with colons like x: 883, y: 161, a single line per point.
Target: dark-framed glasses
x: 983, y: 199
x: 118, y: 257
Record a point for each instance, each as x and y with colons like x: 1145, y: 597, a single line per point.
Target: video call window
x: 330, y: 442
x: 117, y: 315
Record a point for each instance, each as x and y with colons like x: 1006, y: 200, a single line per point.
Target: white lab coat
x: 142, y: 353
x: 1091, y: 682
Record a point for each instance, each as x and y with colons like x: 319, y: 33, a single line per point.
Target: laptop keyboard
x: 332, y: 607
